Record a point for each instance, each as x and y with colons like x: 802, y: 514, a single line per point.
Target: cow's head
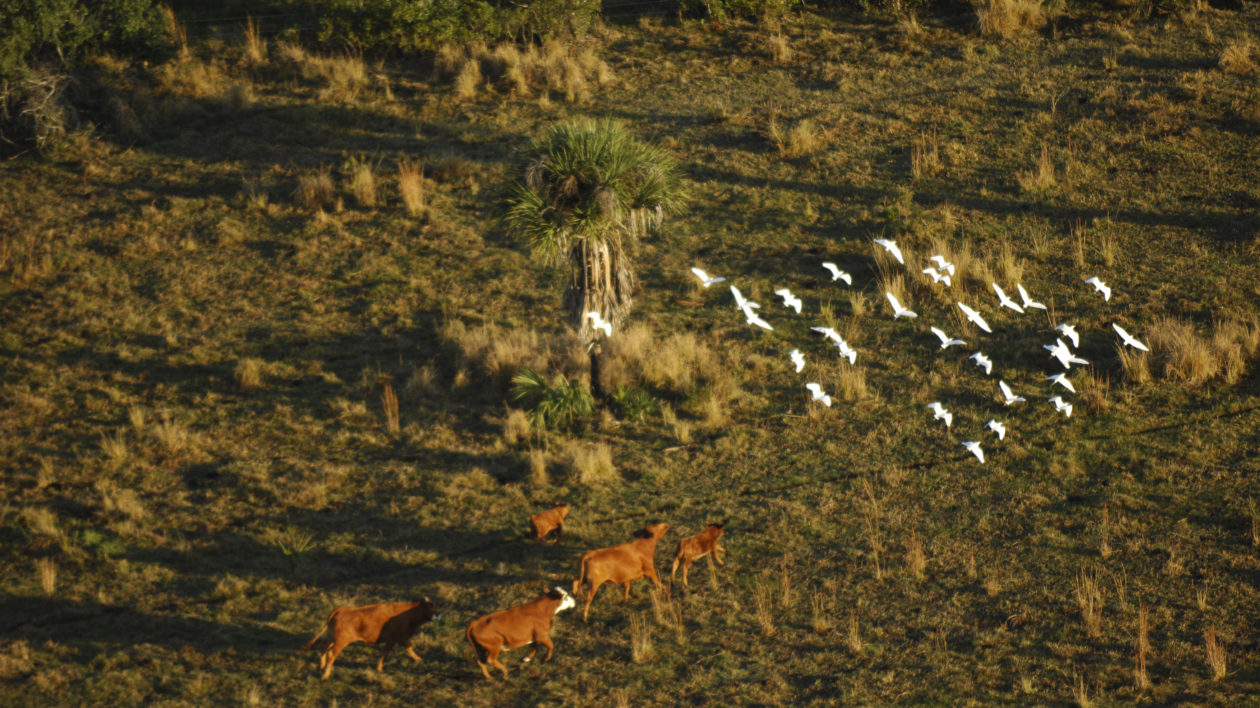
x: 717, y: 527
x: 654, y: 531
x: 429, y: 609
x: 566, y: 600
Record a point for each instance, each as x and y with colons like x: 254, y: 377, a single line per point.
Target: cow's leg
x: 412, y: 653
x: 586, y: 611
x: 674, y: 570
x: 686, y: 567
x: 380, y: 664
x: 559, y: 532
x: 650, y: 571
x: 545, y: 640
x: 717, y: 549
x: 533, y: 649
x: 627, y: 585
x: 492, y: 658
x: 333, y: 652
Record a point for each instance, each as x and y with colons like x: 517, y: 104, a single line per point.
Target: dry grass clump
x: 1142, y: 679
x: 345, y: 77
x: 925, y: 156
x: 411, y: 186
x: 1010, y: 266
x: 1096, y: 389
x: 1041, y: 177
x: 114, y: 448
x: 516, y: 427
x: 851, y: 384
x: 1080, y: 691
x: 1215, y: 649
x: 1010, y: 18
x: 249, y: 374
x: 360, y: 181
x: 820, y: 615
x: 316, y: 191
x: 556, y: 67
x: 1135, y: 364
x: 1089, y: 601
x: 780, y: 50
x: 173, y: 437
x: 965, y: 264
x: 640, y: 639
x: 538, y: 467
x: 896, y: 286
x: 1180, y: 354
x: 916, y: 560
x: 502, y: 353
x: 124, y: 502
x: 1239, y: 58
x: 591, y: 463
x: 676, y: 364
x: 389, y: 404
x: 803, y: 138
x: 42, y: 521
x: 47, y: 569
x: 853, y: 635
x: 255, y: 50
x: 192, y: 78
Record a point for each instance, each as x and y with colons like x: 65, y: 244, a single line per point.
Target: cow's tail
x: 577, y: 584
x: 477, y: 650
x: 331, y: 617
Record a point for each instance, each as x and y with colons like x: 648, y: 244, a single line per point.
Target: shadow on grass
x: 94, y: 628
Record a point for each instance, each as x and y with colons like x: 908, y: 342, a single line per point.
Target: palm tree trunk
x: 597, y: 383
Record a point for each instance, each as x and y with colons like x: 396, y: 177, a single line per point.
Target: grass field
x: 204, y: 304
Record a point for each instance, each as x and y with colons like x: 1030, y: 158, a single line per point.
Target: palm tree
x: 589, y: 190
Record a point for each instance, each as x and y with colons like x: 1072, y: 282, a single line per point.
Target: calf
x: 621, y: 564
x: 391, y: 623
x: 515, y: 627
x: 693, y: 548
x: 550, y: 520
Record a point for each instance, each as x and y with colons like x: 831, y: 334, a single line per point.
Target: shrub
x: 632, y: 402
x: 62, y: 32
x: 561, y: 404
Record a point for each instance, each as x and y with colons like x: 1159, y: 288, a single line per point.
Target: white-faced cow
x: 515, y: 627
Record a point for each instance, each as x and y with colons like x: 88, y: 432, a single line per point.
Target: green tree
x: 589, y: 191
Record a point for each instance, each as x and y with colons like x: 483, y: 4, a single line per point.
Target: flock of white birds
x: 941, y: 273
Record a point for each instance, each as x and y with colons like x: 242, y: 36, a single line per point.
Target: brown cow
x: 550, y: 520
x: 515, y: 627
x: 621, y: 564
x: 693, y: 548
x: 391, y: 623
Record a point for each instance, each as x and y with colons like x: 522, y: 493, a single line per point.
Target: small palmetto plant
x: 560, y: 404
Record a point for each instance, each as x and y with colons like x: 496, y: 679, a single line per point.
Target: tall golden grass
x: 676, y: 364
x: 555, y: 67
x: 411, y: 186
x: 501, y: 353
x: 1179, y: 353
x: 1010, y: 18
